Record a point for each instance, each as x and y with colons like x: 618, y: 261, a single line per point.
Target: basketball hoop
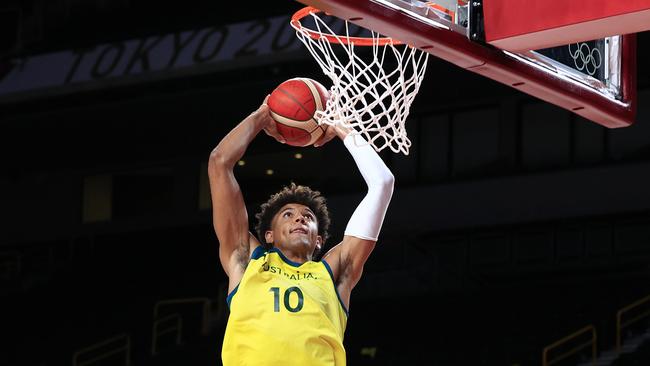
x: 372, y: 92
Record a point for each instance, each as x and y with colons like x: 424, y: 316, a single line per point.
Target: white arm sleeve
x: 366, y: 221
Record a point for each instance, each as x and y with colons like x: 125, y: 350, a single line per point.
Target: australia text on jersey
x: 291, y: 276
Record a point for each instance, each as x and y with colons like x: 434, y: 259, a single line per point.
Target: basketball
x: 292, y: 105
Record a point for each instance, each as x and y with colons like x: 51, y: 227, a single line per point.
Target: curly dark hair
x: 294, y: 194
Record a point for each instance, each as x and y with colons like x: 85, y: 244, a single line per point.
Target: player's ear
x: 268, y: 236
x: 319, y: 242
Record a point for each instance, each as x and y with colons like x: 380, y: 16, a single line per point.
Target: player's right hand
x: 270, y: 127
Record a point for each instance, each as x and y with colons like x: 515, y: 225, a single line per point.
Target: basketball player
x: 285, y: 307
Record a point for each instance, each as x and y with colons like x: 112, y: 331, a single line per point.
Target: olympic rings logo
x: 586, y: 58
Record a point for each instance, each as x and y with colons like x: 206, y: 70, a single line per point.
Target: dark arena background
x: 518, y: 233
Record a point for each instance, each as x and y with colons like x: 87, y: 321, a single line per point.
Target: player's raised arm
x: 229, y: 215
x: 362, y: 230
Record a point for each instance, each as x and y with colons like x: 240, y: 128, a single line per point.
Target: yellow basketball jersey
x: 284, y: 313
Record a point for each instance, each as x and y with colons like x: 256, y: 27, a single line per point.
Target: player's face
x: 295, y: 226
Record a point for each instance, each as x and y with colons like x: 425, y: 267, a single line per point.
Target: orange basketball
x: 293, y: 104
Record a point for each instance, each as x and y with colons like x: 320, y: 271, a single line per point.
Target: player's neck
x: 295, y: 255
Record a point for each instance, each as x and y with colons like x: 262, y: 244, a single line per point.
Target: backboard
x: 594, y: 77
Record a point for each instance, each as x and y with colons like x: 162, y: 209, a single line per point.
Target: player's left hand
x: 330, y: 133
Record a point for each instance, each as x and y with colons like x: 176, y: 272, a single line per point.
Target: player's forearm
x: 367, y: 219
x: 233, y: 146
x: 371, y: 166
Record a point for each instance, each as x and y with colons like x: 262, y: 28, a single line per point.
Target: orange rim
x: 357, y: 41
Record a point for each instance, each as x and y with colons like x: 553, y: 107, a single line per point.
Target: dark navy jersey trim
x: 329, y: 270
x: 258, y: 252
x: 230, y: 295
x: 285, y: 259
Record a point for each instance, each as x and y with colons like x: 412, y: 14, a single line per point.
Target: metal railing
x: 205, y: 323
x: 10, y: 265
x: 157, y: 332
x: 124, y: 346
x: 574, y: 350
x: 158, y: 328
x: 619, y: 315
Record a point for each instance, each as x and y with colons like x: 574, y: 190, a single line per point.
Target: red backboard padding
x: 522, y: 25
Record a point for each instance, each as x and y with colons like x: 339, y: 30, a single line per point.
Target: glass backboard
x: 594, y: 78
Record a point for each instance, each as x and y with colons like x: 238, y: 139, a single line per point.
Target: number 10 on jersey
x: 287, y: 299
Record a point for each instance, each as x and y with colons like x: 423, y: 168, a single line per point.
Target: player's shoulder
x: 332, y: 258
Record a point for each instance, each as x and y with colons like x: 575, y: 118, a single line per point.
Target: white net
x: 373, y: 86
